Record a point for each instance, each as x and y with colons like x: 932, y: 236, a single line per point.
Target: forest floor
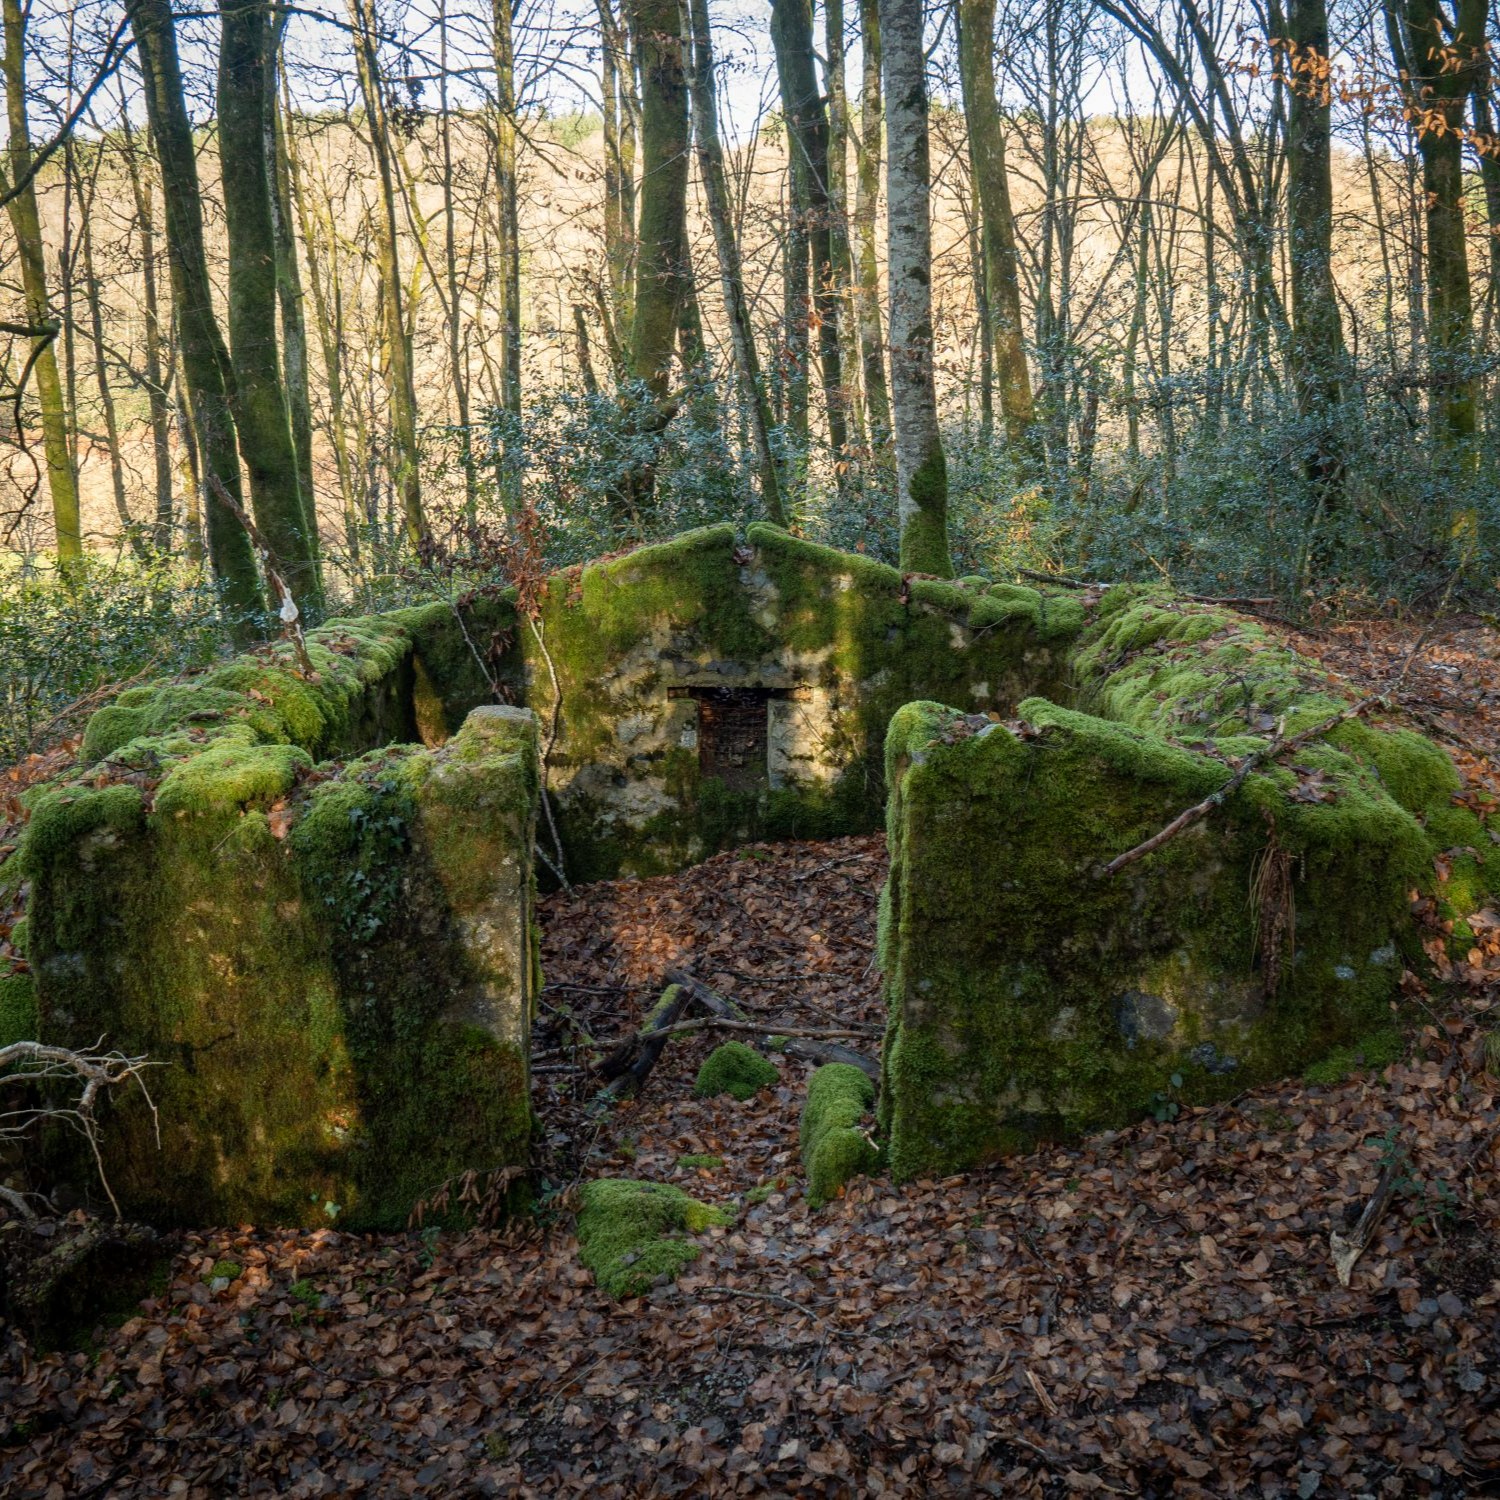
x: 1150, y: 1312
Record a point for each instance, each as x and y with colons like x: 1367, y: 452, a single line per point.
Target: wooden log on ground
x: 629, y: 1064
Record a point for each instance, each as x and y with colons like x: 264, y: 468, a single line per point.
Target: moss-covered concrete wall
x: 1032, y: 996
x: 834, y: 642
x: 332, y: 964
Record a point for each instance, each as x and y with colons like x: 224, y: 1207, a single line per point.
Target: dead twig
x: 35, y: 1062
x: 1347, y: 1249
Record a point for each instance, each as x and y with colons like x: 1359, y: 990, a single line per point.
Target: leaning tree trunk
x: 25, y: 223
x: 261, y: 415
x: 703, y: 89
x: 205, y: 361
x: 1317, y: 329
x: 1002, y: 282
x: 807, y: 151
x: 921, y: 471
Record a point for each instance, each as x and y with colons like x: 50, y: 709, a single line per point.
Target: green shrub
x: 108, y: 620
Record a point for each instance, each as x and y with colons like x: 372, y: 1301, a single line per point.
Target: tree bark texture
x: 261, y: 415
x: 921, y: 470
x: 206, y: 372
x: 25, y: 223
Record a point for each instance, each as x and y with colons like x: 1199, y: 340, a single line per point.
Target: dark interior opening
x: 733, y: 728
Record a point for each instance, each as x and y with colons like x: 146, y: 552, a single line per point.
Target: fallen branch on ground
x: 629, y: 1064
x: 1347, y: 1250
x: 723, y: 1023
x: 806, y: 1044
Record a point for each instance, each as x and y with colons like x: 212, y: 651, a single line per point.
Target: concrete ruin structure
x: 310, y: 896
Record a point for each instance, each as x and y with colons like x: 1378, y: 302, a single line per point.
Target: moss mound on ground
x: 734, y: 1069
x: 834, y: 1147
x: 631, y: 1233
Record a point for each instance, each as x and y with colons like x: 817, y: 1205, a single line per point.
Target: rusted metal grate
x: 732, y: 734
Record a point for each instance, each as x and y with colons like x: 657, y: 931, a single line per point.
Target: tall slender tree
x: 812, y: 293
x: 508, y: 217
x: 661, y: 258
x: 1001, y: 271
x: 296, y: 375
x: 26, y: 225
x: 401, y: 389
x: 1438, y: 54
x: 866, y: 206
x: 154, y: 374
x: 206, y: 372
x: 246, y: 131
x: 1318, y: 358
x: 921, y: 469
x: 703, y: 88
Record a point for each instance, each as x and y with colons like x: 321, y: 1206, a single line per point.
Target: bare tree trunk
x: 505, y: 192
x: 25, y: 223
x: 129, y: 531
x: 457, y: 364
x: 1318, y: 359
x: 807, y: 152
x: 1489, y: 172
x: 206, y: 370
x: 702, y: 87
x: 866, y: 203
x: 1002, y: 284
x: 622, y: 112
x: 155, y: 376
x: 842, y: 265
x: 289, y: 299
x: 261, y: 416
x: 661, y: 261
x: 1437, y: 77
x: 922, y: 473
x: 400, y: 381
x: 328, y: 316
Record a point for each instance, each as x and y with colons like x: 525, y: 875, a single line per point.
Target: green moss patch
x: 736, y: 1069
x: 630, y: 1234
x: 1376, y: 1051
x: 700, y: 1161
x: 835, y: 1132
x: 18, y: 1017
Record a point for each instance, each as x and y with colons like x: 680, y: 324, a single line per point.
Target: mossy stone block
x: 835, y: 1134
x: 633, y: 1234
x: 337, y: 973
x: 1032, y: 997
